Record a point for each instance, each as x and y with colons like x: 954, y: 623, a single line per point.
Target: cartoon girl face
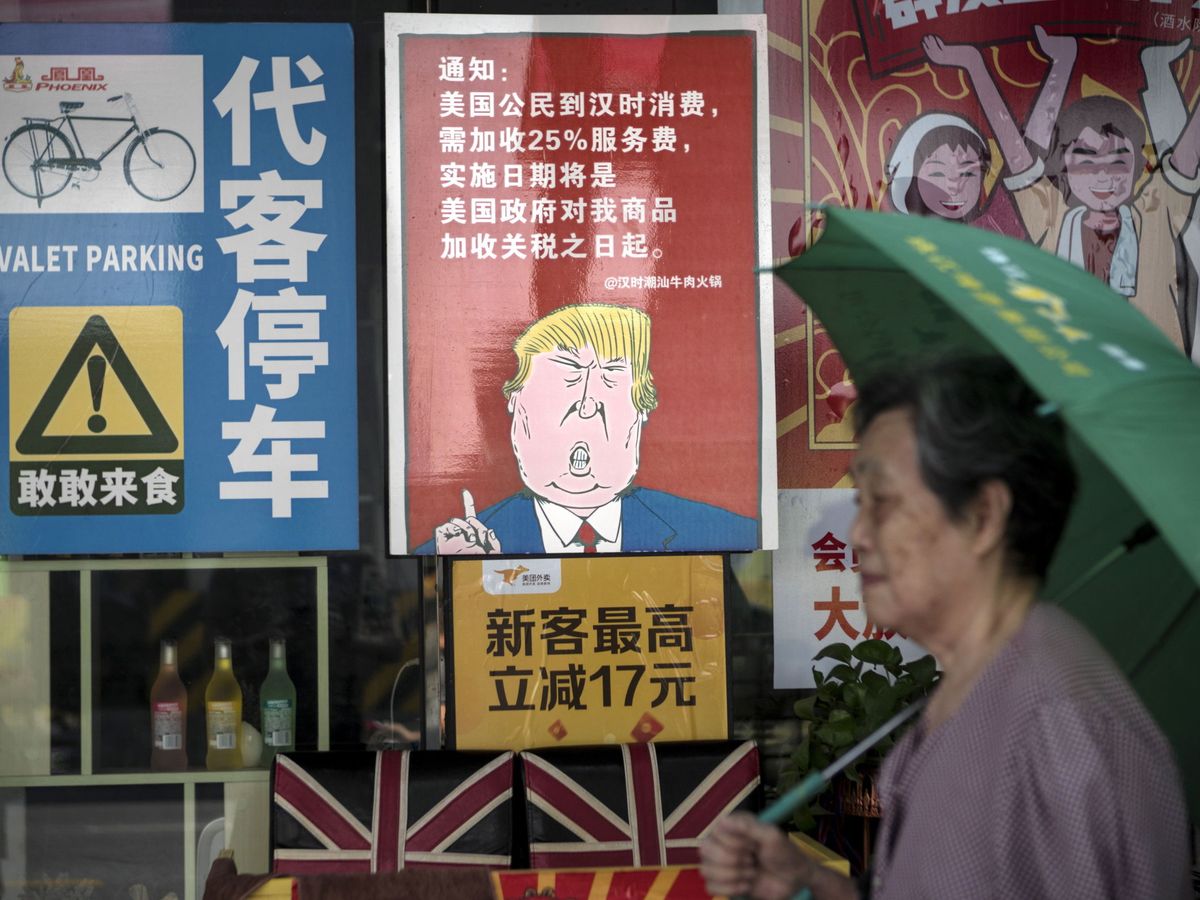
x: 1100, y: 169
x: 950, y: 181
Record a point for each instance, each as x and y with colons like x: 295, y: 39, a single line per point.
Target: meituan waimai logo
x: 507, y: 576
x: 18, y: 80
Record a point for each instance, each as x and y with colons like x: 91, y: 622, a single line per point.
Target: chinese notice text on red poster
x: 576, y: 311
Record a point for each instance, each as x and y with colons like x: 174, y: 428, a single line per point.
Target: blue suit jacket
x: 650, y: 520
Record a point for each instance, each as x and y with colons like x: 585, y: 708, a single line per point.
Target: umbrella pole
x: 816, y: 782
x: 1140, y: 535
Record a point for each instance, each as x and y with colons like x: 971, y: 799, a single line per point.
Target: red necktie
x: 587, y: 536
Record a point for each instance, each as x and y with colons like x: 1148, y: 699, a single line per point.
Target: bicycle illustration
x: 40, y: 160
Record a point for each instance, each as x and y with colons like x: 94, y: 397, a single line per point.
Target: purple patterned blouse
x: 1051, y: 781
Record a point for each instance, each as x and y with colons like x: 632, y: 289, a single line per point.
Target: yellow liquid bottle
x: 223, y: 712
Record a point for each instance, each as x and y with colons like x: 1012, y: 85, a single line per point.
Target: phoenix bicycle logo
x: 60, y: 78
x: 18, y: 80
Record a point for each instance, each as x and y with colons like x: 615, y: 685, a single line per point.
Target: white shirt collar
x: 559, y: 526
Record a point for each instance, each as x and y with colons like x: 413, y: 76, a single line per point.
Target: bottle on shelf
x: 223, y: 712
x: 168, y: 714
x: 277, y: 704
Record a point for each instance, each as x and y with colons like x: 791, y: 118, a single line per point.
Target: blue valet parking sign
x: 177, y: 288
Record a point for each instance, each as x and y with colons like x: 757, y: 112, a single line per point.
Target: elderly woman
x: 1034, y: 771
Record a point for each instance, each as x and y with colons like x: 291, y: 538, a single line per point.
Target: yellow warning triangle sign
x: 97, y: 334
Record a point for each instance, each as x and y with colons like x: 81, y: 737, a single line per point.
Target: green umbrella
x: 892, y: 288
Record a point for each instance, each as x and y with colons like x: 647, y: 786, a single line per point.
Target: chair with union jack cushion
x: 381, y: 811
x: 642, y: 804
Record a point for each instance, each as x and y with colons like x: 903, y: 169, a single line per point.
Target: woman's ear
x: 988, y: 515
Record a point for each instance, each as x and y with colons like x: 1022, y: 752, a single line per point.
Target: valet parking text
x: 101, y: 258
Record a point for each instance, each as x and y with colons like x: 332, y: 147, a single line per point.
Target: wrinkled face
x: 913, y: 557
x: 950, y: 180
x: 1100, y: 169
x: 575, y: 430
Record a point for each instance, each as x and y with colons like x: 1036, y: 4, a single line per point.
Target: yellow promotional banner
x: 550, y: 652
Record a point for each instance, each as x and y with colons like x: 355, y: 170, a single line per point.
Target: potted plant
x: 869, y: 684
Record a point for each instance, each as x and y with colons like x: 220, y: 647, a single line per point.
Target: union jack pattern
x: 422, y: 809
x: 644, y: 820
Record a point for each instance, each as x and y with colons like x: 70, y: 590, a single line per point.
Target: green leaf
x: 853, y: 696
x: 800, y: 756
x: 875, y: 652
x: 910, y: 692
x: 879, y: 705
x: 827, y: 692
x: 806, y: 708
x: 818, y: 676
x: 923, y: 670
x: 840, y: 652
x: 804, y: 820
x: 836, y: 734
x: 873, y: 681
x: 843, y: 673
x: 840, y: 715
x: 819, y: 756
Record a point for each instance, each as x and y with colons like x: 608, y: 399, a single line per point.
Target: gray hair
x: 976, y: 420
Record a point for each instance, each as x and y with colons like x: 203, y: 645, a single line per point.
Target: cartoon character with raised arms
x: 1079, y: 201
x: 1167, y: 116
x: 580, y: 397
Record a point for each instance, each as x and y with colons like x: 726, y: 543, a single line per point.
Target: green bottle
x: 277, y: 703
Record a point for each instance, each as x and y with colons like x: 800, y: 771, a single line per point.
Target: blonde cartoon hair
x: 614, y: 332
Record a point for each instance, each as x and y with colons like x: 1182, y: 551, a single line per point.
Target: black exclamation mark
x: 96, y: 366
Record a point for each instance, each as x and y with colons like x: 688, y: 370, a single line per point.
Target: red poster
x: 577, y: 316
x: 1067, y: 123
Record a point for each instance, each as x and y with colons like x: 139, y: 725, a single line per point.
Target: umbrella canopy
x: 891, y: 289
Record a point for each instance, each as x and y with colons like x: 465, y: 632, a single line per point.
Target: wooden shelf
x: 245, y: 804
x: 199, y: 776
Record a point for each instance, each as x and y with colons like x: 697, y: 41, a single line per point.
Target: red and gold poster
x: 579, y: 316
x: 1068, y: 123
x: 563, y: 652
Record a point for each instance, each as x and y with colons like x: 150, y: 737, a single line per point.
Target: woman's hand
x: 746, y: 857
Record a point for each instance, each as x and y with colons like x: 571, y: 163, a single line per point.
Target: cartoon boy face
x: 575, y: 430
x: 949, y: 181
x: 1100, y: 169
